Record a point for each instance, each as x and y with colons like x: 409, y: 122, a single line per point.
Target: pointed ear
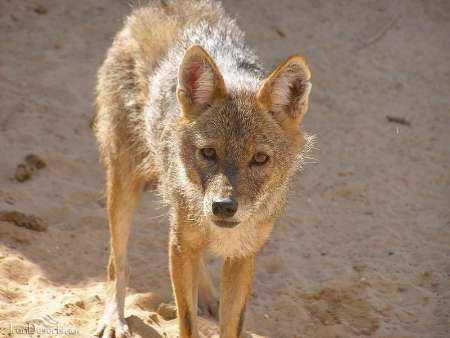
x: 199, y: 81
x: 286, y: 91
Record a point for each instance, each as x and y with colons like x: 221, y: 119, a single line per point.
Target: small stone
x: 23, y: 173
x: 167, y: 311
x: 25, y: 170
x: 35, y: 161
x: 39, y: 9
x: 80, y: 304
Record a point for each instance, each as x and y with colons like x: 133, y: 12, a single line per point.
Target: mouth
x: 225, y: 224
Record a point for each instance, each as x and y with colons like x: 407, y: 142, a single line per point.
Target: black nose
x: 224, y: 207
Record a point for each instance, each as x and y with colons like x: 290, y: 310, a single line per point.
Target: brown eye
x: 259, y: 159
x: 209, y: 153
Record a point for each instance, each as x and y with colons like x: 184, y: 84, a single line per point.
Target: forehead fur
x: 239, y: 119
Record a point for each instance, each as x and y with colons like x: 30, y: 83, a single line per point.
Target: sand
x: 363, y: 248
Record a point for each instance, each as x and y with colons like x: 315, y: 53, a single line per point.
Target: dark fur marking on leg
x: 188, y: 321
x: 241, y: 322
x: 111, y: 269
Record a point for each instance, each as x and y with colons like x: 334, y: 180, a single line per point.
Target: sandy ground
x: 363, y: 249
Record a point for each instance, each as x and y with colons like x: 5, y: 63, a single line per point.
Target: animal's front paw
x: 111, y: 326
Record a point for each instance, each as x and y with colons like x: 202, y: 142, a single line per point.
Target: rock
x: 24, y: 220
x: 167, y: 311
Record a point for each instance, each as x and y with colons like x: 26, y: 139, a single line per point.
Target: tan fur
x: 154, y: 121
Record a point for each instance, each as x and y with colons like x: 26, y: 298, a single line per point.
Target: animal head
x: 238, y: 147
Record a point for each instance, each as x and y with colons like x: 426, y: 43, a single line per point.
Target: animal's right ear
x: 199, y: 81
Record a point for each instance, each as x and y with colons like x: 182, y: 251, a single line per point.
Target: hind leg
x: 208, y: 301
x: 123, y: 190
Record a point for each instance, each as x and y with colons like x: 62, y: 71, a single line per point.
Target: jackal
x: 183, y: 103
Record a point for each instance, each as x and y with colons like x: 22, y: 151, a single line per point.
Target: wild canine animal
x: 183, y: 103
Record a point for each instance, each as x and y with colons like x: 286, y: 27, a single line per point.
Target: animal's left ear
x: 286, y: 91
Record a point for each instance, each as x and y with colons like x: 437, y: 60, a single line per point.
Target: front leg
x: 123, y: 194
x: 184, y: 265
x: 237, y: 276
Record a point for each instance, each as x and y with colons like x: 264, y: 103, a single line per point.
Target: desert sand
x: 364, y: 246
